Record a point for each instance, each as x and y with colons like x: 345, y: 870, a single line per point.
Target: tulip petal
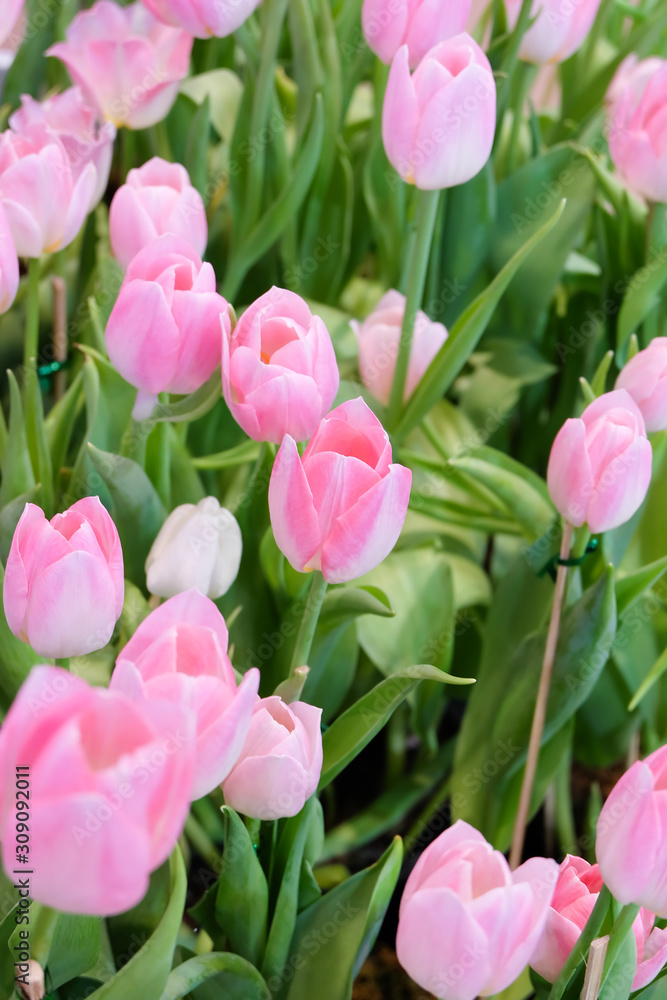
x: 294, y: 520
x: 400, y: 116
x: 569, y: 475
x: 622, y: 487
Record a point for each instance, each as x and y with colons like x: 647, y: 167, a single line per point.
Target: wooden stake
x: 596, y: 957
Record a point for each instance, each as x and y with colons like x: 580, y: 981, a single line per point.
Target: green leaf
x: 465, y: 334
x: 599, y: 381
x: 618, y: 979
x: 17, y: 474
x: 146, y: 973
x: 191, y: 407
x: 233, y: 976
x: 224, y: 90
x: 653, y: 676
x: 74, y: 949
x: 342, y: 604
x: 9, y: 518
x: 242, y: 901
x: 60, y: 422
x: 42, y: 456
x: 323, y: 965
x: 642, y: 297
x: 355, y: 728
x: 242, y: 454
x: 631, y: 587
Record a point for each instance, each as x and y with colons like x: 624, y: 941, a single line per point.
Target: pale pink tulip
x: 128, y: 64
x: 9, y: 264
x: 157, y: 198
x: 279, y: 371
x: 75, y: 124
x: 379, y: 338
x: 179, y: 654
x: 631, y: 842
x: 438, y: 124
x: 467, y: 924
x: 281, y: 761
x: 560, y: 28
x: 163, y: 334
x: 12, y: 10
x: 64, y: 588
x: 638, y: 128
x: 109, y: 786
x: 600, y: 464
x: 203, y: 18
x: 34, y: 160
x: 633, y: 74
x: 340, y: 507
x: 645, y: 379
x: 419, y: 24
x: 651, y: 949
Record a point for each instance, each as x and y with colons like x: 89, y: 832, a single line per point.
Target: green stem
x: 31, y: 345
x: 202, y: 843
x: 622, y: 927
x: 580, y: 950
x: 304, y: 640
x: 427, y: 210
x: 63, y: 661
x: 525, y: 75
x: 163, y: 477
x: 162, y: 142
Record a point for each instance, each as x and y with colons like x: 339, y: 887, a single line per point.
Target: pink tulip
x: 179, y: 654
x: 35, y: 160
x: 558, y: 30
x: 281, y: 761
x: 64, y: 589
x: 638, y: 128
x: 379, y: 337
x: 419, y: 24
x: 438, y: 124
x: 74, y: 123
x: 645, y: 379
x: 340, y: 507
x: 128, y: 64
x: 109, y: 790
x: 9, y: 264
x: 633, y: 73
x: 157, y: 198
x: 163, y: 334
x: 467, y: 924
x: 12, y: 10
x: 651, y: 949
x: 279, y: 371
x: 600, y: 463
x: 631, y: 842
x: 203, y: 18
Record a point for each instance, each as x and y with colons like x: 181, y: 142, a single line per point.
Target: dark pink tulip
x: 419, y: 24
x: 340, y: 507
x: 203, y: 18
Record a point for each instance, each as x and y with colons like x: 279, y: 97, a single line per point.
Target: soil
x: 382, y: 978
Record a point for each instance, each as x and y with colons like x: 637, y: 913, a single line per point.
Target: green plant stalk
x: 622, y: 927
x: 202, y: 843
x: 586, y: 938
x: 427, y: 210
x: 63, y: 661
x: 304, y: 639
x: 31, y: 343
x: 163, y: 477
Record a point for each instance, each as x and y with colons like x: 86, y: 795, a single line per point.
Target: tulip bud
x: 419, y: 24
x: 9, y: 264
x: 558, y: 29
x: 379, y: 338
x: 637, y: 134
x: 467, y: 924
x: 644, y: 377
x: 279, y: 371
x: 128, y: 64
x: 346, y: 530
x: 163, y: 334
x: 438, y: 124
x: 203, y: 18
x: 199, y: 545
x: 600, y: 464
x: 64, y: 588
x: 281, y: 761
x: 157, y: 198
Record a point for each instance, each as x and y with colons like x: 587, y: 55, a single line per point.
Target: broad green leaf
x: 631, y: 587
x: 74, y: 949
x: 333, y: 664
x: 653, y: 676
x: 355, y: 728
x: 233, y: 976
x: 9, y: 518
x: 242, y: 900
x: 242, y: 454
x: 191, y: 407
x: 642, y: 297
x: 146, y: 973
x: 342, y: 604
x: 618, y: 980
x: 510, y: 483
x: 224, y: 90
x: 7, y: 928
x: 466, y: 332
x: 324, y: 965
x: 599, y: 381
x: 17, y: 474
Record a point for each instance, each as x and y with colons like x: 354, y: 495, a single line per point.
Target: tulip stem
x: 541, y: 702
x: 427, y: 210
x: 311, y: 613
x: 63, y: 661
x: 31, y: 345
x: 584, y: 941
x: 622, y: 927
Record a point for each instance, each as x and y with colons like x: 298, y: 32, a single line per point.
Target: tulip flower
x: 631, y: 841
x: 179, y: 654
x: 64, y: 588
x: 199, y: 545
x: 12, y: 10
x: 74, y: 123
x: 378, y: 338
x: 600, y: 464
x: 637, y: 133
x: 9, y: 264
x: 281, y: 761
x: 633, y: 74
x: 438, y: 124
x: 651, y: 949
x: 110, y: 782
x: 157, y: 198
x: 35, y: 160
x: 467, y: 924
x: 558, y: 29
x: 203, y: 18
x: 340, y: 507
x: 163, y: 334
x: 128, y: 64
x: 644, y: 377
x: 279, y: 371
x: 419, y: 24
